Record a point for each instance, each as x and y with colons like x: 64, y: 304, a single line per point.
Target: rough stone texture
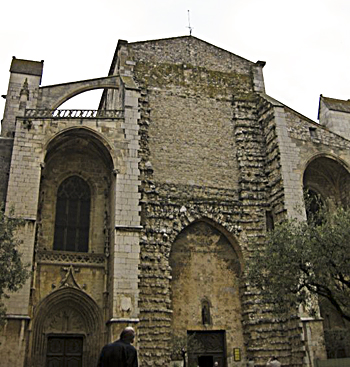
x: 206, y: 268
x: 183, y: 185
x: 182, y: 182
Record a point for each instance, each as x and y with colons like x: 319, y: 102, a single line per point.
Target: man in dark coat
x: 120, y: 353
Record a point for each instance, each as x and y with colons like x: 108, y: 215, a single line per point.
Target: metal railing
x: 74, y: 114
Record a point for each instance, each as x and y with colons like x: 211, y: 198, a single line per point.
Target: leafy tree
x: 302, y: 260
x: 13, y: 273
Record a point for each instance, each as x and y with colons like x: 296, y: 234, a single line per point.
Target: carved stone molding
x: 67, y: 258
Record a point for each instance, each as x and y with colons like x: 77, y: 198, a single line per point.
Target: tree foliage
x: 304, y: 259
x: 13, y: 272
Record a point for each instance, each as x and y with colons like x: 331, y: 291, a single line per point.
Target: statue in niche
x: 205, y: 313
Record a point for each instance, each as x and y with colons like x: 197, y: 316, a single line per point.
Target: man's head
x: 128, y: 334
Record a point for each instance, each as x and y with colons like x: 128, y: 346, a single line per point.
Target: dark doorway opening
x: 205, y: 348
x: 64, y: 351
x: 205, y: 361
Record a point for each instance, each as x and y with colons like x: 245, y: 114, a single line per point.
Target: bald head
x: 128, y: 334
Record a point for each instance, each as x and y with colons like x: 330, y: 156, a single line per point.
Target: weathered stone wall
x: 314, y: 140
x: 189, y: 98
x: 274, y: 182
x: 192, y: 51
x: 88, y: 276
x: 308, y: 142
x: 203, y: 154
x: 189, y: 166
x: 13, y: 341
x: 265, y: 333
x: 205, y: 267
x: 189, y: 142
x: 293, y: 141
x: 301, y: 153
x: 336, y: 121
x: 190, y: 172
x: 22, y: 92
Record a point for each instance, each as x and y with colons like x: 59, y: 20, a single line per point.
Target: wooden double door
x: 64, y: 351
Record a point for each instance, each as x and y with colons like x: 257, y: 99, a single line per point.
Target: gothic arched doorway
x: 206, y: 268
x: 67, y: 330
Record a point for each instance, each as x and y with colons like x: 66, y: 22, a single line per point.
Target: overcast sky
x: 305, y: 43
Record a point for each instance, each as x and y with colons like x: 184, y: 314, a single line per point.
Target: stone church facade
x: 147, y: 211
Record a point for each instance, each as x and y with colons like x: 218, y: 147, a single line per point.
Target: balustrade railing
x: 47, y: 256
x: 74, y: 114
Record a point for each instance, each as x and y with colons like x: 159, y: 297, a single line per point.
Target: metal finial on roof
x: 189, y: 23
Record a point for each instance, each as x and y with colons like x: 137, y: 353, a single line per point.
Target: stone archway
x: 82, y: 153
x: 67, y: 314
x: 328, y: 179
x: 54, y: 96
x: 205, y: 289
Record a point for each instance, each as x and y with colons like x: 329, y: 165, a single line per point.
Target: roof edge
x: 193, y: 37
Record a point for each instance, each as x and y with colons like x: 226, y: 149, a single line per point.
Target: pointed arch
x: 82, y: 316
x: 329, y: 177
x: 83, y: 155
x: 206, y: 268
x: 87, y: 138
x: 219, y: 227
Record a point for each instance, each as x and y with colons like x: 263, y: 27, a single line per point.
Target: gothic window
x: 72, y: 215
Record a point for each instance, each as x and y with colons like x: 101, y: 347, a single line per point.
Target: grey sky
x: 304, y: 43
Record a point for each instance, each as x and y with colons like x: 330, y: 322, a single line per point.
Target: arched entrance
x: 67, y: 330
x: 206, y: 268
x: 76, y: 155
x: 327, y: 182
x: 329, y: 179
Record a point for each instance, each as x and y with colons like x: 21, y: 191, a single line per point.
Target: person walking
x: 120, y: 353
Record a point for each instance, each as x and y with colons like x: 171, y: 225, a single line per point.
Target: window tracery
x: 72, y: 221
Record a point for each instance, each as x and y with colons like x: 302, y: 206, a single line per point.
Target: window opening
x: 313, y: 132
x: 72, y: 215
x: 270, y: 223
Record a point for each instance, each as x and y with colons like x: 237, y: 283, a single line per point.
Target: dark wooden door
x: 64, y: 351
x: 205, y: 348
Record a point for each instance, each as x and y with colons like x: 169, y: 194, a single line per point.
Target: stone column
x: 291, y: 175
x: 22, y: 198
x: 125, y: 254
